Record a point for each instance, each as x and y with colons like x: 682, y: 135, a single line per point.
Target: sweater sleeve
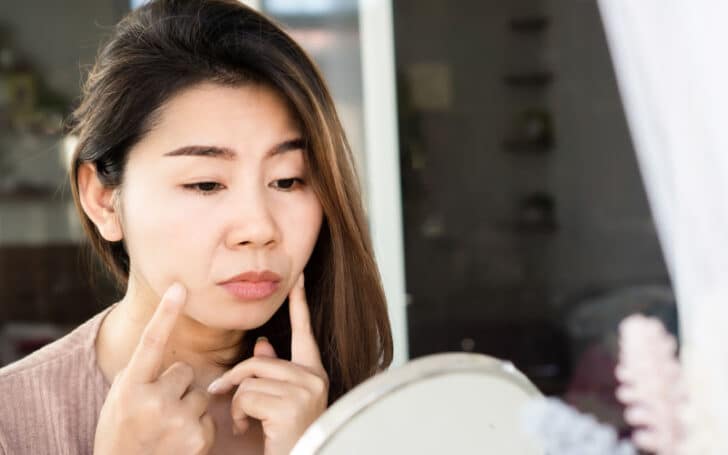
x: 3, y: 444
x: 51, y: 398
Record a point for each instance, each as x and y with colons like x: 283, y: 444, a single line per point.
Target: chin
x: 239, y: 316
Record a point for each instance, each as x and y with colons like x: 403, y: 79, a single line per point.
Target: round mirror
x: 443, y: 403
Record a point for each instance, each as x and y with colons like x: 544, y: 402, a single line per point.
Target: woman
x: 211, y: 176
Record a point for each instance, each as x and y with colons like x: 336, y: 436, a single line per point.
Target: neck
x: 204, y: 348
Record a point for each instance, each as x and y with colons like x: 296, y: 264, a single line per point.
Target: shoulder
x: 49, y: 391
x: 53, y: 357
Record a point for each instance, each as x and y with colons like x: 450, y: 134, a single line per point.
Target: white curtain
x: 671, y: 62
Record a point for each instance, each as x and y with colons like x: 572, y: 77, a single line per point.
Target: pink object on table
x: 651, y: 385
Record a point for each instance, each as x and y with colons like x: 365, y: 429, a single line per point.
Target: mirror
x: 452, y: 402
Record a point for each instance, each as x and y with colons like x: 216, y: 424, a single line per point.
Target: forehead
x: 250, y: 116
x: 245, y: 102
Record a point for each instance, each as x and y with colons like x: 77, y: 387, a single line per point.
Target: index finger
x: 304, y: 349
x: 147, y: 358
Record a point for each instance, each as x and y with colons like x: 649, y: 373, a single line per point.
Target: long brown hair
x: 169, y: 45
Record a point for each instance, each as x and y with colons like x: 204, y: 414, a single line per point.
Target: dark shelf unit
x: 536, y: 213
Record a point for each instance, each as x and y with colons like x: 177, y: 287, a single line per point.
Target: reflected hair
x: 167, y: 46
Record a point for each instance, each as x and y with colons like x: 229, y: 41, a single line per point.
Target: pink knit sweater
x: 51, y: 399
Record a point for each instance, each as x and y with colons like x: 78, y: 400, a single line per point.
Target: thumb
x: 263, y: 348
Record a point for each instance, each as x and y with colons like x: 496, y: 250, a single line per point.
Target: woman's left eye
x: 204, y: 187
x: 287, y: 184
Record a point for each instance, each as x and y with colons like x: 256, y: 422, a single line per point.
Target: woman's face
x: 217, y: 188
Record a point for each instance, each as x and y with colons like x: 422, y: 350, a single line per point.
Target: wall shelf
x: 536, y: 78
x: 529, y: 24
x: 27, y: 193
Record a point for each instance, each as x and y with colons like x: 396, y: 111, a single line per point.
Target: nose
x: 251, y: 222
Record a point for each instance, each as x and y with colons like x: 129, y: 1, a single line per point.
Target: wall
x: 464, y: 252
x: 608, y: 235
x: 58, y: 40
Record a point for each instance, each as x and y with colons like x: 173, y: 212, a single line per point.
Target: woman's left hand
x: 285, y: 396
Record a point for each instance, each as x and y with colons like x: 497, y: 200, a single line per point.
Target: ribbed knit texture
x: 51, y: 399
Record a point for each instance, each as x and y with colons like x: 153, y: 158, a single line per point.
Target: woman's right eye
x: 204, y: 188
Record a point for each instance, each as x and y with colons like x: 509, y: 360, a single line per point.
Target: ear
x: 98, y: 203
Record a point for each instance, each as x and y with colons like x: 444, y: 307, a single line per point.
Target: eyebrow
x: 229, y: 154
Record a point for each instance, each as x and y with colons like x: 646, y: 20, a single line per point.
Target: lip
x: 254, y: 277
x: 252, y: 285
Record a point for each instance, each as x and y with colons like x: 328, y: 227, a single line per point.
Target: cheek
x: 300, y: 226
x: 157, y: 234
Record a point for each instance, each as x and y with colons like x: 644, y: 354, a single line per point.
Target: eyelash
x: 197, y: 187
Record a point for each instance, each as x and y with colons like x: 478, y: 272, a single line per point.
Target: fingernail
x: 216, y: 386
x: 261, y: 338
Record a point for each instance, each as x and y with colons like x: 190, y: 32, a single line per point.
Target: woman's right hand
x: 148, y: 413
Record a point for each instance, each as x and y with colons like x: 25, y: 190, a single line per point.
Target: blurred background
x: 524, y: 231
